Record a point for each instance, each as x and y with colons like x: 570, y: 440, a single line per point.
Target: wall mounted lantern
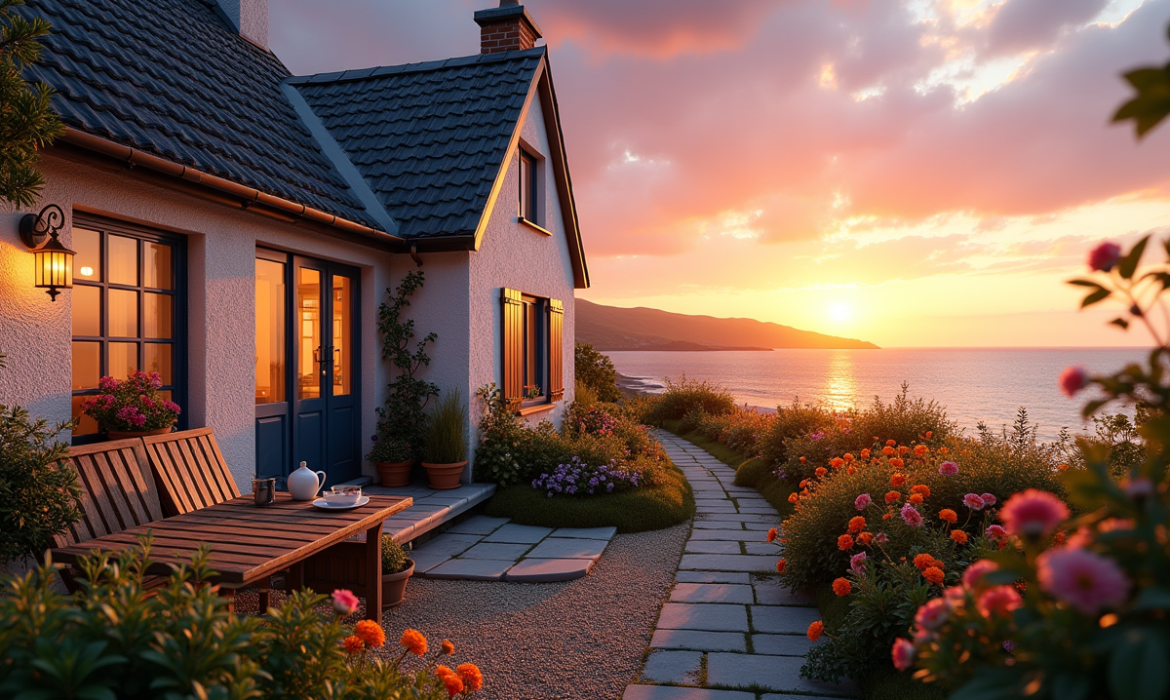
x: 54, y: 262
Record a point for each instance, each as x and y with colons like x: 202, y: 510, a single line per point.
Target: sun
x: 840, y: 312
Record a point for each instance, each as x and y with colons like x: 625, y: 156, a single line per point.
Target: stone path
x: 494, y: 549
x: 728, y: 631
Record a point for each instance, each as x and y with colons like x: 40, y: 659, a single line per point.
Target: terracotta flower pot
x: 128, y: 434
x: 394, y: 586
x: 394, y: 473
x: 444, y: 476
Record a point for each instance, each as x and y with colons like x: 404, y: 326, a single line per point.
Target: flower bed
x: 133, y: 404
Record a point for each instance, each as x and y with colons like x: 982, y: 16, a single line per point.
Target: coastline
x: 648, y: 385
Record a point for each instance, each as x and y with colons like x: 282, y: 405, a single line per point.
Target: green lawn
x: 638, y: 510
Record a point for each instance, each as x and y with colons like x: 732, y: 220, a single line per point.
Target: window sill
x: 534, y: 226
x: 526, y: 411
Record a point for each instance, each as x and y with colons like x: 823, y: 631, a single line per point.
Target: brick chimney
x: 508, y: 27
x: 249, y: 18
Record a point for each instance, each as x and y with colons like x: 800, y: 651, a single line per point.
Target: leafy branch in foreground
x: 1151, y: 104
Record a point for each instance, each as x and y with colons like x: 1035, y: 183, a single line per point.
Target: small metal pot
x: 264, y: 491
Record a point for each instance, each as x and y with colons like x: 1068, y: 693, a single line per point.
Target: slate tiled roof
x: 169, y: 77
x: 429, y: 138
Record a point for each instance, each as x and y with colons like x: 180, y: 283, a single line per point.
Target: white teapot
x: 304, y: 483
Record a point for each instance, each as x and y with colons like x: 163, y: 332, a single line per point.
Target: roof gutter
x: 245, y: 197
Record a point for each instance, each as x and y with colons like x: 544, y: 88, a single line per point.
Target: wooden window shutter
x: 556, y: 351
x: 513, y: 386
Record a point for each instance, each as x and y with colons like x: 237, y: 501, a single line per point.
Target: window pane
x: 87, y: 365
x: 157, y: 265
x: 342, y: 329
x: 123, y: 260
x: 123, y: 359
x: 158, y: 359
x: 87, y: 311
x: 525, y: 177
x: 309, y: 332
x: 157, y: 315
x: 87, y: 264
x: 270, y: 331
x: 123, y: 320
x: 85, y: 424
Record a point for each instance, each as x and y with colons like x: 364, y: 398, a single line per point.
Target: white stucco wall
x: 36, y: 332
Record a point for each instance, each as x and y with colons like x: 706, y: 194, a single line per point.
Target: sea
x: 973, y: 384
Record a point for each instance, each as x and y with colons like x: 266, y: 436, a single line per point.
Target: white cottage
x: 236, y: 227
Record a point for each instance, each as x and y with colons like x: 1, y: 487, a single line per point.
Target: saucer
x: 326, y: 505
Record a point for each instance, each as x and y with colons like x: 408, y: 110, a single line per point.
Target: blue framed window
x: 129, y: 310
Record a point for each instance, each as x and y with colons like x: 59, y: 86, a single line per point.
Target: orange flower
x: 793, y: 497
x: 451, y: 680
x: 414, y: 641
x: 848, y: 457
x: 929, y: 433
x: 448, y: 648
x: 821, y: 471
x: 803, y: 483
x: 1062, y: 467
x: 893, y: 496
x: 865, y: 453
x: 934, y: 575
x: 922, y: 489
x: 780, y: 566
x: 851, y: 469
x: 916, y: 498
x: 924, y: 560
x: 920, y: 450
x: 856, y: 524
x: 842, y: 587
x: 352, y: 644
x: 891, y: 443
x: 943, y: 451
x: 959, y: 536
x: 837, y: 463
x: 471, y: 676
x: 815, y: 630
x: 948, y: 515
x: 772, y: 534
x: 369, y: 632
x: 803, y: 460
x: 845, y: 543
x: 897, y: 463
x: 887, y: 516
x: 897, y: 480
x: 864, y: 538
x: 902, y: 449
x: 887, y: 451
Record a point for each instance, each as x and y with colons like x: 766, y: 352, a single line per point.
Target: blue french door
x: 307, y: 355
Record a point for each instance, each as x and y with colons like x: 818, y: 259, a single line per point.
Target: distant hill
x: 615, y: 328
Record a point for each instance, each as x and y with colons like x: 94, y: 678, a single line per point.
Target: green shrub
x: 790, y: 423
x: 685, y: 396
x: 39, y: 496
x: 116, y: 642
x: 394, y: 559
x: 756, y: 474
x: 446, y: 438
x: 595, y: 371
x: 501, y: 434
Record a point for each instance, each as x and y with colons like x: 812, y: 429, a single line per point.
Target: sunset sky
x: 910, y: 172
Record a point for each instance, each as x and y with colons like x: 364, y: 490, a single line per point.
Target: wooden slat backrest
x: 117, y: 490
x: 190, y: 471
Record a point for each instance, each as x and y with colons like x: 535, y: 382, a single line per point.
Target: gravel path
x: 582, y: 639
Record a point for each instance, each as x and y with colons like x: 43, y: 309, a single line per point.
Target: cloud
x: 1023, y: 25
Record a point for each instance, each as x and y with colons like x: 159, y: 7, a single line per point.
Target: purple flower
x: 857, y: 562
x: 862, y: 501
x: 911, y: 516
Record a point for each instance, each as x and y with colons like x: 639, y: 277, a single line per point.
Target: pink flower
x: 108, y: 384
x: 995, y: 532
x: 344, y: 602
x: 933, y: 614
x: 911, y: 516
x: 1083, y: 579
x: 881, y: 538
x: 999, y: 601
x: 1032, y: 512
x: 973, y: 576
x: 954, y: 595
x: 903, y: 654
x: 857, y: 562
x: 973, y: 501
x: 988, y: 499
x: 1104, y: 257
x: 948, y: 469
x: 1072, y: 380
x: 862, y: 501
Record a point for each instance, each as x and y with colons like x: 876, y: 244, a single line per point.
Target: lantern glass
x: 54, y: 267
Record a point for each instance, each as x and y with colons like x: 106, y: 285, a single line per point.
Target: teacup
x: 343, y: 495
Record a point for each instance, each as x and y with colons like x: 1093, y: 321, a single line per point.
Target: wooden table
x: 250, y: 543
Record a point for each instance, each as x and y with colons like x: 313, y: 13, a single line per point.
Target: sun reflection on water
x: 840, y: 383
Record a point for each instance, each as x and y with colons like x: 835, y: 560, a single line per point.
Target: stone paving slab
x: 548, y: 570
x: 712, y: 593
x: 713, y: 547
x: 781, y: 644
x: 665, y: 692
x: 701, y: 641
x: 496, y: 550
x: 734, y: 535
x: 771, y: 672
x: 478, y: 525
x: 450, y: 544
x: 775, y: 594
x: 471, y: 569
x: 715, y: 525
x: 565, y: 548
x: 586, y: 533
x: 425, y: 561
x: 783, y: 620
x: 676, y: 667
x: 714, y: 617
x: 519, y: 534
x: 712, y: 577
x: 762, y: 548
x: 727, y: 562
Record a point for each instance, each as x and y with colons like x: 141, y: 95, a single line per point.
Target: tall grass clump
x: 446, y: 436
x: 689, y: 397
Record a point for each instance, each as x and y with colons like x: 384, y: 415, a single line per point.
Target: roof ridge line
x: 417, y: 67
x: 336, y: 155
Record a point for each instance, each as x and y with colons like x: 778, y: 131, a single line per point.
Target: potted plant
x: 397, y: 568
x: 445, y: 448
x: 132, y: 407
x: 402, y: 419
